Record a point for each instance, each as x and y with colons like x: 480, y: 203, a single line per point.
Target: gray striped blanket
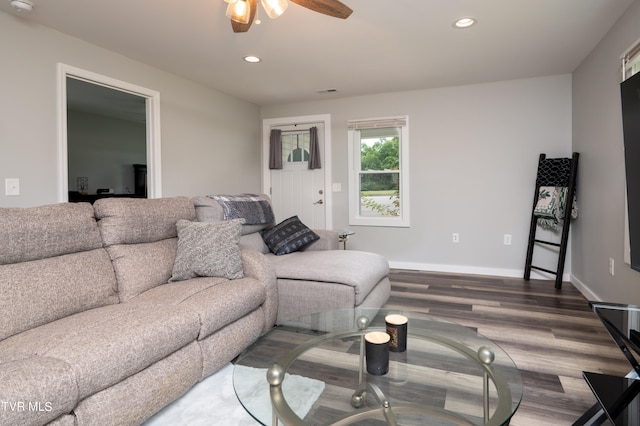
x: 253, y: 208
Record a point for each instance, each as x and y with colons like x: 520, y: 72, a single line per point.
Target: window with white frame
x: 379, y: 172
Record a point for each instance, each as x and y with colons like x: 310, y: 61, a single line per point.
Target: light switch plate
x: 12, y: 186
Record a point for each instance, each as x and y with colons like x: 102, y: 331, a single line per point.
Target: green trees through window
x: 379, y: 189
x: 380, y: 154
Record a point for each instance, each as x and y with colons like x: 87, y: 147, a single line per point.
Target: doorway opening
x: 109, y: 137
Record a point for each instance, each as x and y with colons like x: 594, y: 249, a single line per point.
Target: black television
x: 630, y: 96
x: 618, y: 396
x: 623, y: 324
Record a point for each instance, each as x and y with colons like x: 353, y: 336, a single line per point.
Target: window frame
x: 631, y: 60
x: 401, y: 123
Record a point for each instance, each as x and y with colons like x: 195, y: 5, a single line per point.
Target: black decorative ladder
x: 553, y: 172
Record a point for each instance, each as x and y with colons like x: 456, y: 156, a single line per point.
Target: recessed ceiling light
x: 465, y: 22
x: 252, y: 59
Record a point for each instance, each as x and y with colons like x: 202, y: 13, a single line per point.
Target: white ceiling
x: 385, y: 45
x: 97, y: 99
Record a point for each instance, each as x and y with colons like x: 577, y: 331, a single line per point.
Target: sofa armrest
x: 256, y: 265
x: 328, y: 240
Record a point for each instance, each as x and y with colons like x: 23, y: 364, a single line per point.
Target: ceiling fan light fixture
x: 239, y: 11
x: 465, y: 22
x: 274, y: 8
x: 22, y: 5
x: 243, y: 13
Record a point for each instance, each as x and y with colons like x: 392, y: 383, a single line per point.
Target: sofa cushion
x: 301, y: 298
x: 41, y: 291
x: 136, y: 398
x: 36, y: 390
x: 288, y: 236
x: 47, y: 231
x: 51, y: 265
x: 334, y: 266
x: 253, y: 242
x: 217, y: 301
x: 103, y: 346
x: 64, y: 420
x: 141, y: 220
x: 141, y: 238
x: 208, y: 249
x: 143, y: 266
x: 227, y: 343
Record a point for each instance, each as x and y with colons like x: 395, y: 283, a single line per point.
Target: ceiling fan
x: 242, y: 12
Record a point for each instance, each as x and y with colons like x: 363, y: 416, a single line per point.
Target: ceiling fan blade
x: 333, y: 8
x: 243, y: 28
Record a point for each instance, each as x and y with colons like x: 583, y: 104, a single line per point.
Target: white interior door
x: 295, y: 190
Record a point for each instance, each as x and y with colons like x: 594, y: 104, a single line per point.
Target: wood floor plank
x: 551, y: 334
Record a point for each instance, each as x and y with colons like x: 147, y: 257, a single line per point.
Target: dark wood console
x: 76, y: 197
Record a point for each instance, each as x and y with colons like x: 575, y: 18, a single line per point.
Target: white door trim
x: 268, y: 123
x: 154, y: 175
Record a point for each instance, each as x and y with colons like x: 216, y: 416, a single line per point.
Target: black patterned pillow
x: 288, y: 236
x: 208, y: 249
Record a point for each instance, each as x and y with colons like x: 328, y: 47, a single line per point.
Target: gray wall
x: 597, y: 135
x: 474, y: 153
x: 206, y: 136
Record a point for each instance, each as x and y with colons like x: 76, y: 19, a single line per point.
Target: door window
x: 295, y: 147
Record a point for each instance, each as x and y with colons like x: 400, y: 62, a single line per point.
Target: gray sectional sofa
x: 96, y: 330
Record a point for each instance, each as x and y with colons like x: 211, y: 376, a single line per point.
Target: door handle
x: 319, y: 201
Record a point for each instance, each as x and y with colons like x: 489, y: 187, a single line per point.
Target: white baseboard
x: 473, y: 270
x: 585, y: 290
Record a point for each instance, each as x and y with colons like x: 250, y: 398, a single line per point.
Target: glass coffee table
x: 449, y: 374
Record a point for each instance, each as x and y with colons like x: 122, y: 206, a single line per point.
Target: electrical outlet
x: 611, y: 266
x: 455, y: 237
x: 507, y: 239
x: 12, y: 186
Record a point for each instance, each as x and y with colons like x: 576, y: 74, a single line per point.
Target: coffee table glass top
x: 449, y: 373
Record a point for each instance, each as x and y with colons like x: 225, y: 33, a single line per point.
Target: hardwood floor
x: 550, y: 334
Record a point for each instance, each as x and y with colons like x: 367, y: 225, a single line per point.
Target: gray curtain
x: 275, y: 149
x: 314, y: 149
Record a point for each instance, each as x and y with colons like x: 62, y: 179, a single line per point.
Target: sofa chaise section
x: 318, y: 281
x: 317, y: 278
